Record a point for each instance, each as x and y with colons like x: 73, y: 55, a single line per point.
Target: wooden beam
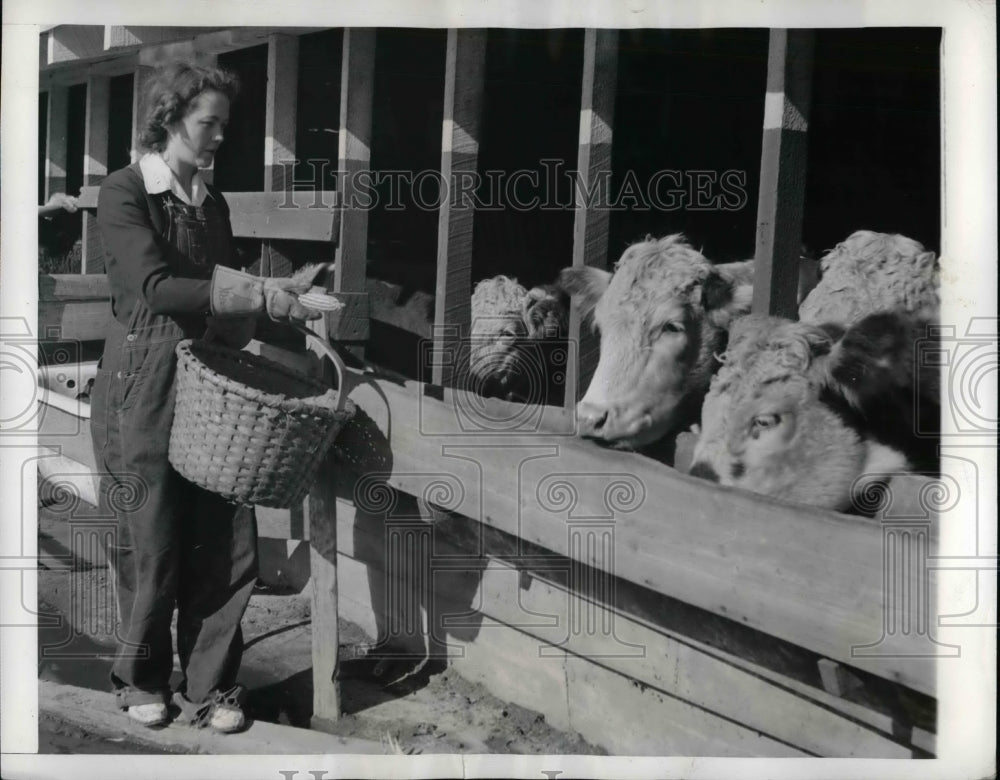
x: 95, y: 165
x: 66, y: 75
x: 282, y: 104
x: 464, y: 85
x: 140, y: 81
x: 783, y: 172
x: 56, y: 142
x: 202, y: 47
x: 357, y: 86
x: 263, y: 215
x: 70, y: 42
x: 590, y: 223
x: 122, y: 37
x: 321, y: 514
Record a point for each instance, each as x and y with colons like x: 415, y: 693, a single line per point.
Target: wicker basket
x: 251, y: 429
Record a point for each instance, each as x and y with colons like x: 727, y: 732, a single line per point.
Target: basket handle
x: 322, y: 345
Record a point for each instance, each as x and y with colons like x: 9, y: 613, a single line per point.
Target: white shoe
x: 152, y: 714
x: 226, y: 720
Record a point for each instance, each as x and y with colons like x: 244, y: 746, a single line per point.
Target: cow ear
x: 545, y: 311
x: 586, y: 285
x: 725, y: 297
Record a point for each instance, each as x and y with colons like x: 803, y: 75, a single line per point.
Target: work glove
x: 235, y: 293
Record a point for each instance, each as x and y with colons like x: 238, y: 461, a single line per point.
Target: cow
x: 813, y: 413
x: 514, y: 334
x: 662, y: 316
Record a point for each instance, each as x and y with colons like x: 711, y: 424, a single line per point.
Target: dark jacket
x: 139, y: 263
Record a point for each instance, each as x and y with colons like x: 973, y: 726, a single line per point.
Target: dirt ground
x: 435, y: 711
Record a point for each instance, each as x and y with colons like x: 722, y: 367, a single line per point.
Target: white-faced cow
x: 803, y: 412
x: 662, y: 317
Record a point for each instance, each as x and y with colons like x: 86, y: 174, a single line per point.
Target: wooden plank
x: 71, y: 42
x: 74, y: 321
x: 141, y: 78
x: 56, y: 142
x: 95, y: 165
x: 281, y: 109
x: 270, y: 215
x: 208, y: 46
x: 73, y: 287
x: 810, y: 577
x: 650, y: 723
x: 357, y: 86
x: 321, y: 517
x: 632, y: 633
x: 464, y: 85
x: 783, y: 172
x: 590, y: 222
x: 78, y: 73
x: 511, y: 638
x: 265, y: 215
x: 133, y: 36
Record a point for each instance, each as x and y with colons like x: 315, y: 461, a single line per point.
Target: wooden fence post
x: 56, y: 141
x: 280, y: 116
x: 783, y: 173
x: 321, y: 514
x: 590, y: 223
x: 357, y: 86
x: 141, y: 78
x: 464, y: 84
x: 95, y: 166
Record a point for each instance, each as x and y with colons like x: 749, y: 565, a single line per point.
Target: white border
x: 967, y: 724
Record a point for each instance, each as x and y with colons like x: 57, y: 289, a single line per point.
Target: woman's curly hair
x: 170, y: 93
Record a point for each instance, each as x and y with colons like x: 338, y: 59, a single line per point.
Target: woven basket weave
x: 251, y: 429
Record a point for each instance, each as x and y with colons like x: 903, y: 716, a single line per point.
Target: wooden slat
x: 140, y: 81
x: 281, y: 110
x: 810, y: 577
x: 464, y: 84
x: 266, y: 215
x: 482, y: 573
x: 74, y: 321
x: 357, y: 86
x: 783, y: 173
x: 321, y: 514
x: 273, y: 215
x: 73, y: 287
x: 56, y: 142
x: 590, y: 224
x: 95, y: 165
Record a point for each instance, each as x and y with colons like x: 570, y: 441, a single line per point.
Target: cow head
x: 795, y: 412
x: 662, y: 315
x: 513, y: 332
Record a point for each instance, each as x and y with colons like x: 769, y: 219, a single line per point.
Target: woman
x: 170, y: 261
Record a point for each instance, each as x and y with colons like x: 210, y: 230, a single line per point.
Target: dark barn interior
x: 685, y: 156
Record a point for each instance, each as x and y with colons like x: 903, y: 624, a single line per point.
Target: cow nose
x: 591, y: 418
x: 704, y: 470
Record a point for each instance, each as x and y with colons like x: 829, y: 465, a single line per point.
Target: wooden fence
x: 650, y: 611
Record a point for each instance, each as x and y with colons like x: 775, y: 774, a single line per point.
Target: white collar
x: 157, y: 177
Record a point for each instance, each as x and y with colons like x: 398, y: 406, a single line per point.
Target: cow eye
x: 673, y: 327
x: 765, y: 421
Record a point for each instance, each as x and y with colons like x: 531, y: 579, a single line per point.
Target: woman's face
x: 195, y: 138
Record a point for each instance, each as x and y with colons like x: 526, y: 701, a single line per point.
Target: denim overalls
x: 177, y: 544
